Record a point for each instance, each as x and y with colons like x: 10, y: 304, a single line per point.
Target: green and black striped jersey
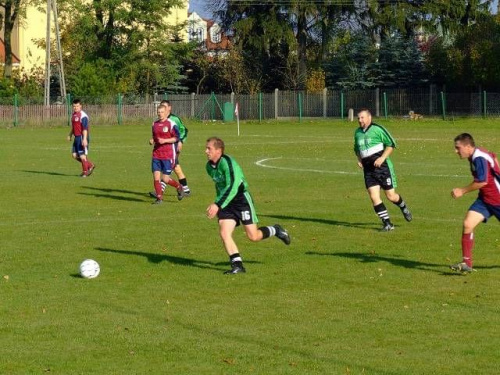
x: 370, y: 143
x: 229, y: 180
x: 183, y: 131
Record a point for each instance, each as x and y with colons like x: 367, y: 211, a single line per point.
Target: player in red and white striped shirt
x: 80, y: 130
x: 486, y: 172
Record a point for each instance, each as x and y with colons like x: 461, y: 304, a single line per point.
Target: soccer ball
x: 89, y: 269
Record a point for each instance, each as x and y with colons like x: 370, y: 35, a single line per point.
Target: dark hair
x: 77, y: 101
x: 218, y: 143
x: 167, y: 102
x: 466, y: 139
x: 365, y: 110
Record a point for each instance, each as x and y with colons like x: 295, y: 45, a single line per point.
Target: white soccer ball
x: 89, y: 269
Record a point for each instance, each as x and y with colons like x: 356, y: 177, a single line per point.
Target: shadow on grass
x: 115, y: 197
x: 370, y: 225
x: 181, y: 261
x: 51, y: 173
x: 122, y: 191
x: 113, y: 194
x: 442, y: 269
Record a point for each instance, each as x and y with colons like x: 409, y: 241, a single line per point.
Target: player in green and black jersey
x: 373, y: 144
x: 233, y: 204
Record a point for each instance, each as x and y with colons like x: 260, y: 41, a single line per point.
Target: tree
x: 471, y: 59
x: 129, y: 37
x: 397, y: 62
x: 13, y: 9
x: 348, y: 68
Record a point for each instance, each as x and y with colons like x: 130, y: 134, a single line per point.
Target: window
x: 215, y: 36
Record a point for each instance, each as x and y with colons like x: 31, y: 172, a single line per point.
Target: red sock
x: 467, y: 246
x: 85, y: 166
x: 175, y: 184
x: 159, y: 192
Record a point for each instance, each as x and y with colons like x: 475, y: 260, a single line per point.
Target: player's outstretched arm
x: 460, y: 192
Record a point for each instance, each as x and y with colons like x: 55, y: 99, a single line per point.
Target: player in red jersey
x: 80, y: 130
x: 165, y: 136
x: 486, y: 172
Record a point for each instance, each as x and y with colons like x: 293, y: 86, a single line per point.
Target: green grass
x: 342, y: 299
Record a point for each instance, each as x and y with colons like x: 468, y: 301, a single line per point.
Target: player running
x: 165, y: 135
x: 183, y: 132
x: 233, y: 204
x: 486, y: 173
x: 372, y: 145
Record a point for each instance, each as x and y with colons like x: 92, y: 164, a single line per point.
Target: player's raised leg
x: 399, y: 201
x: 182, y: 180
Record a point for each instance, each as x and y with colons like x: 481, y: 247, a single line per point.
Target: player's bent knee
x: 254, y: 237
x: 392, y: 195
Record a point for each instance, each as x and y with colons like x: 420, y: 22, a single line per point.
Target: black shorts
x: 241, y: 210
x: 379, y: 177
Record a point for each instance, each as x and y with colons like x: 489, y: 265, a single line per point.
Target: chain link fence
x: 127, y: 108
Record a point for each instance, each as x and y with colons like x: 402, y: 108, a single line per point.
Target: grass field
x: 343, y: 298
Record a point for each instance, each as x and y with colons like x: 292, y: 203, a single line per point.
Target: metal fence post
x: 276, y: 112
x: 260, y: 107
x: 443, y: 105
x: 212, y: 107
x: 432, y: 89
x: 119, y: 109
x: 69, y: 108
x: 377, y: 102
x: 325, y: 107
x: 484, y: 104
x: 16, y: 110
x: 299, y: 102
x: 385, y: 104
x: 192, y: 104
x: 342, y: 105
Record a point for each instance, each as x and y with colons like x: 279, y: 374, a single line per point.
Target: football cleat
x: 282, y: 234
x: 180, y: 193
x: 187, y: 192
x: 407, y: 214
x: 91, y: 169
x: 387, y: 227
x: 152, y: 194
x: 235, y: 268
x: 461, y: 267
x: 157, y: 201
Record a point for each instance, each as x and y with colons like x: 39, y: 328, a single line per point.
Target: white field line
x: 263, y: 163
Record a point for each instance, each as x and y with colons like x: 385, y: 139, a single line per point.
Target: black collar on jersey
x: 214, y: 165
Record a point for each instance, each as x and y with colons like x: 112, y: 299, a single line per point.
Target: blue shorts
x: 78, y: 147
x: 485, y: 209
x: 163, y: 166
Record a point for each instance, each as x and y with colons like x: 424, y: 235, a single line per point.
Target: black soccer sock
x: 267, y: 232
x: 236, y: 259
x: 183, y: 181
x: 382, y: 213
x: 400, y: 203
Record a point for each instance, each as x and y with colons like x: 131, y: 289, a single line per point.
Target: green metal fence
x: 127, y: 108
